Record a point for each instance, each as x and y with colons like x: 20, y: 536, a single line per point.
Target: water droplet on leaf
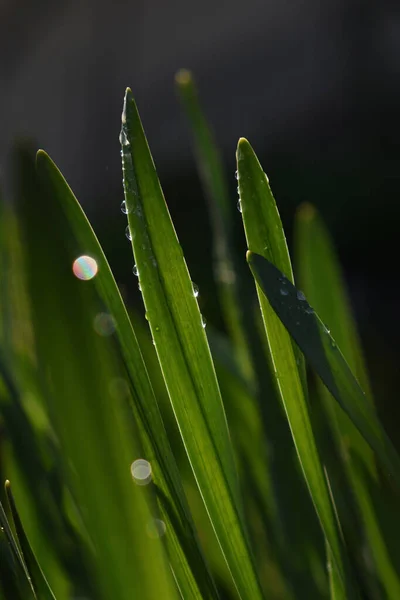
x: 128, y: 233
x: 195, y: 290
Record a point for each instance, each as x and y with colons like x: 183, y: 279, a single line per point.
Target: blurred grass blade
x: 325, y: 357
x: 321, y: 279
x: 153, y: 436
x: 39, y: 582
x: 183, y: 352
x: 77, y: 367
x: 227, y: 272
x: 265, y: 235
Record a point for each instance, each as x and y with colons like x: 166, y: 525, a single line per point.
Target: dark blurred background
x: 314, y: 86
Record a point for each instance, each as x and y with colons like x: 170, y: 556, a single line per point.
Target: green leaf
x: 39, y: 582
x: 15, y: 572
x: 76, y: 369
x: 228, y: 274
x: 182, y: 348
x: 265, y: 235
x: 190, y: 569
x: 325, y: 357
x: 321, y: 278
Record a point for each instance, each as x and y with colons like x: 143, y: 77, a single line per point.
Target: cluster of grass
x: 168, y: 461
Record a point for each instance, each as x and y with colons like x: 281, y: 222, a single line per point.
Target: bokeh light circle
x: 85, y: 268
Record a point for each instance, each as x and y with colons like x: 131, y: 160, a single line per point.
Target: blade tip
x: 183, y: 77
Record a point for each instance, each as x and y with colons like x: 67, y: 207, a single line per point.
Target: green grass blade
x: 227, y: 271
x: 236, y: 293
x: 325, y: 357
x: 23, y: 580
x: 321, y: 279
x: 77, y: 366
x: 154, y: 439
x: 39, y: 582
x: 265, y: 235
x: 183, y: 352
x: 320, y: 276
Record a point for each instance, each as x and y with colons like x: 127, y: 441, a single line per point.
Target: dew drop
x: 333, y: 343
x: 284, y: 292
x: 128, y: 233
x: 141, y: 471
x: 84, y: 268
x: 139, y: 287
x: 195, y: 290
x: 236, y: 175
x: 239, y: 206
x: 124, y: 207
x: 301, y: 296
x: 308, y: 310
x: 155, y: 528
x: 157, y: 328
x: 135, y: 271
x: 123, y: 140
x: 203, y: 322
x: 104, y: 324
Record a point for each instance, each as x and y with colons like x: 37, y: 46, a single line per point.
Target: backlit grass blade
x: 76, y: 369
x: 227, y: 272
x: 182, y: 348
x: 236, y: 294
x: 39, y: 582
x: 323, y: 354
x: 156, y: 447
x: 265, y: 235
x: 321, y: 279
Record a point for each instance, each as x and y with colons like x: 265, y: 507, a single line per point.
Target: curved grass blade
x: 320, y: 277
x: 39, y: 582
x: 154, y: 440
x: 265, y: 235
x: 325, y: 357
x: 183, y: 352
x: 76, y: 368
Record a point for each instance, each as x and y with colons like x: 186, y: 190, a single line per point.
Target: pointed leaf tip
x: 306, y: 211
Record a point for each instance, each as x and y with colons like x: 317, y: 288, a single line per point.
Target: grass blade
x: 183, y: 352
x: 153, y: 436
x: 265, y: 235
x: 227, y: 270
x: 22, y: 580
x: 325, y: 357
x: 322, y: 281
x: 77, y: 366
x: 39, y: 582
